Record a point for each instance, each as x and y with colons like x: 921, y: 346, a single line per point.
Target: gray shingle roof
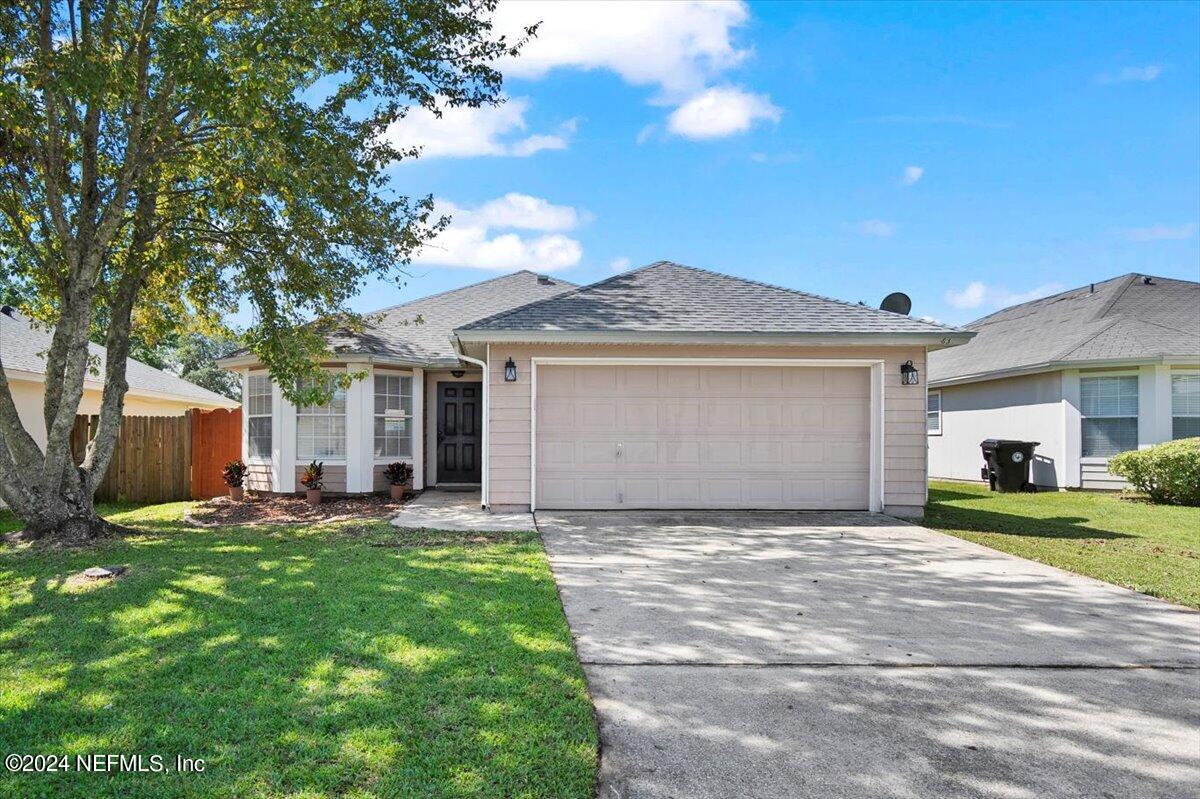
x: 670, y: 298
x: 1118, y: 319
x: 394, y: 333
x: 22, y: 347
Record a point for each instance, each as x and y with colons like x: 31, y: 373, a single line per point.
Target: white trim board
x: 877, y: 487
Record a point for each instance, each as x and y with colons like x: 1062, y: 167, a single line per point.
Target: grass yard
x: 297, y: 662
x: 1154, y: 549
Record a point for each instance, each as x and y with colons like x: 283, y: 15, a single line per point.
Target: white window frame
x: 933, y: 392
x: 250, y: 417
x: 315, y: 412
x: 390, y: 414
x: 1083, y: 417
x: 1195, y: 373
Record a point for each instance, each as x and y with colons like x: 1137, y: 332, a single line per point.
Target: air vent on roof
x: 1146, y: 281
x: 896, y: 302
x: 544, y: 280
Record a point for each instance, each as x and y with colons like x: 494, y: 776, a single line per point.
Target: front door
x: 459, y: 432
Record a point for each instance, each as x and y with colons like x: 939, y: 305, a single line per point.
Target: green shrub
x: 1169, y: 473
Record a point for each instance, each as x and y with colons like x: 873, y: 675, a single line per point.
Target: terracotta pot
x: 313, y: 495
x: 237, y: 493
x: 398, y: 491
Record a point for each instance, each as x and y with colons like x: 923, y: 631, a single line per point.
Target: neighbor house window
x: 933, y: 413
x: 1109, y: 406
x: 258, y: 416
x: 393, y: 416
x: 1185, y: 406
x: 321, y: 429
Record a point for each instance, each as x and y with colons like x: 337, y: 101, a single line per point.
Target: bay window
x: 321, y: 429
x: 258, y: 416
x: 393, y: 416
x: 1109, y: 410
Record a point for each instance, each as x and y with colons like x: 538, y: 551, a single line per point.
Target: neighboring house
x: 664, y: 387
x: 1088, y: 373
x: 152, y: 392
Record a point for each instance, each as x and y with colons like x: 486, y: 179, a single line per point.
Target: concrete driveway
x: 851, y: 655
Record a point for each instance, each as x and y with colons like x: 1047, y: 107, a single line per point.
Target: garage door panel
x: 555, y: 415
x: 682, y: 452
x: 703, y: 437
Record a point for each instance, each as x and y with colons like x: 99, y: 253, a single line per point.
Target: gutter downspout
x: 486, y: 413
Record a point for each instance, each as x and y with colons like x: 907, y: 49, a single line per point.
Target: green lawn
x: 1154, y: 549
x: 304, y: 662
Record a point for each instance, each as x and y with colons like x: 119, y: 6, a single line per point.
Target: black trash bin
x: 1007, y: 464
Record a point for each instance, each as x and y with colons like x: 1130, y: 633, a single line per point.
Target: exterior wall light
x: 457, y: 373
x: 510, y: 371
x: 908, y: 374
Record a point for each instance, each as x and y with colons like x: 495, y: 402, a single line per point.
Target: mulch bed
x: 261, y: 509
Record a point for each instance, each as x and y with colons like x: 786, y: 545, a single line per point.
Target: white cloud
x: 1131, y: 75
x: 979, y: 294
x: 721, y: 111
x: 619, y: 264
x: 1160, y: 233
x: 474, y: 239
x: 468, y: 132
x: 875, y: 227
x: 912, y: 174
x: 515, y: 210
x: 677, y: 47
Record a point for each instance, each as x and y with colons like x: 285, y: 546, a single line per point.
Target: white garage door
x: 769, y: 437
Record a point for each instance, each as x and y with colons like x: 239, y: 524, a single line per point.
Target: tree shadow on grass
x: 980, y: 518
x: 295, y: 665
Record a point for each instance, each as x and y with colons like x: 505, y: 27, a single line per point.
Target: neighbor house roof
x: 1127, y: 318
x: 23, y: 348
x: 665, y: 298
x: 419, y: 332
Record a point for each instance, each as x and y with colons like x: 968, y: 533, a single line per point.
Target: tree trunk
x: 68, y: 517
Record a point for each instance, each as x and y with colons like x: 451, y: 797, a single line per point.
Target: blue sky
x: 969, y: 155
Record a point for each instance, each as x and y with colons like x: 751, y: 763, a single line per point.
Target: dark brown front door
x: 459, y: 432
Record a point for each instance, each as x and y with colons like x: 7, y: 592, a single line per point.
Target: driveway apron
x: 853, y: 655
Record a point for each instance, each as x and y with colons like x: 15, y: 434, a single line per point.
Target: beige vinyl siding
x: 335, y: 477
x: 509, y: 431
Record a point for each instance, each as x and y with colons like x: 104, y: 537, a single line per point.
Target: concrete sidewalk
x: 853, y: 655
x: 458, y: 510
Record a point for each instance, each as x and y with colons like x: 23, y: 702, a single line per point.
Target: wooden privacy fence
x: 165, y: 458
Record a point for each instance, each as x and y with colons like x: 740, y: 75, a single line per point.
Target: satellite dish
x: 896, y: 302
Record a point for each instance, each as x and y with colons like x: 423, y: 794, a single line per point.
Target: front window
x: 393, y: 416
x: 933, y: 413
x: 1185, y: 406
x: 321, y: 429
x: 258, y: 416
x: 1109, y: 407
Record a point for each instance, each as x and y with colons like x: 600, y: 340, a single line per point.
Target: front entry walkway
x: 851, y: 655
x: 460, y: 511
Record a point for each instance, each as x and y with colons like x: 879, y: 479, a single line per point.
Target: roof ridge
x: 1062, y: 354
x: 983, y: 319
x: 1120, y: 292
x: 764, y: 284
x: 721, y: 275
x: 460, y: 288
x: 575, y: 290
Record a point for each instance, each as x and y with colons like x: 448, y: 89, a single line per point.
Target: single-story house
x: 152, y: 392
x: 663, y: 387
x: 1087, y: 373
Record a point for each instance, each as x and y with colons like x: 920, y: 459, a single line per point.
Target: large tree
x: 168, y: 159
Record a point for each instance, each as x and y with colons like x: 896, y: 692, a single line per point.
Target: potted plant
x: 312, y: 479
x: 234, y: 475
x: 398, y: 475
